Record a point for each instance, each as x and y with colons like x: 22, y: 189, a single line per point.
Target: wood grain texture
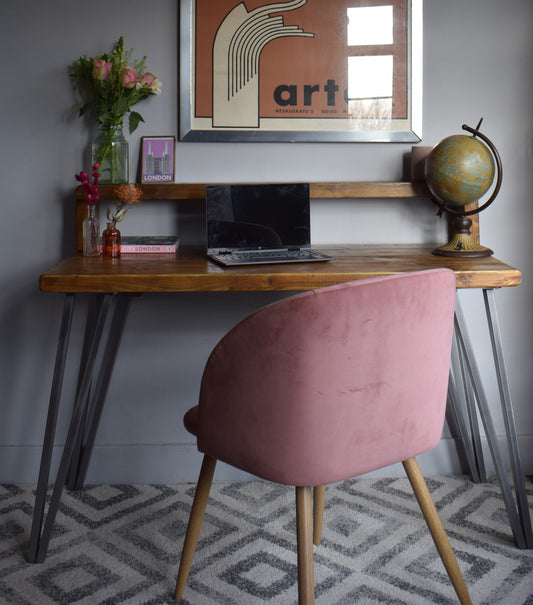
x: 190, y: 271
x: 196, y: 191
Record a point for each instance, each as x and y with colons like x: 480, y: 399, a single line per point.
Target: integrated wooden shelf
x: 196, y: 191
x: 163, y: 191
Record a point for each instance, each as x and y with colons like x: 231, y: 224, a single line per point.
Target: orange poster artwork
x: 300, y: 70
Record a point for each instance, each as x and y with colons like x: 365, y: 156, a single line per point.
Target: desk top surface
x: 190, y: 271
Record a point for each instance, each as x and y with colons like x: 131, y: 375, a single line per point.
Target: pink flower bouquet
x: 110, y: 85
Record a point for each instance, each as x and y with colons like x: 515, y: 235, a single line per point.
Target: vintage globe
x: 459, y: 170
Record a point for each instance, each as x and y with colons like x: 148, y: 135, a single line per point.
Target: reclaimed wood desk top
x: 190, y: 271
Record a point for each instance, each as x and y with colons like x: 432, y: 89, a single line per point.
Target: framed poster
x: 157, y: 159
x: 301, y: 70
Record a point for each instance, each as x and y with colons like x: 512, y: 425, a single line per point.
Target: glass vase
x: 110, y: 150
x: 91, y: 233
x: 111, y: 241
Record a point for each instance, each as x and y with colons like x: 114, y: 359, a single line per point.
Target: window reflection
x: 370, y: 75
x: 370, y: 25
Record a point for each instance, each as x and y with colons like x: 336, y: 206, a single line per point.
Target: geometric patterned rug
x: 120, y: 544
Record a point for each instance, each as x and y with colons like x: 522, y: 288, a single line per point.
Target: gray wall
x: 478, y: 58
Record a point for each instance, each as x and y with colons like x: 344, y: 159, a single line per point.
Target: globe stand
x: 462, y: 242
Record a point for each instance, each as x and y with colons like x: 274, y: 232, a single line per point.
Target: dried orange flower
x: 128, y: 194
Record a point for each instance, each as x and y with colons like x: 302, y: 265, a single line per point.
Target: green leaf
x: 135, y: 118
x: 120, y: 214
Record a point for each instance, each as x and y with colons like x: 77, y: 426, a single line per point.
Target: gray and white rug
x: 120, y: 544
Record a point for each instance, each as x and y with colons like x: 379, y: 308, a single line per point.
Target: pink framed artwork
x: 301, y: 70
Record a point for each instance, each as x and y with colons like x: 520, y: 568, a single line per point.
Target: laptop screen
x: 254, y: 217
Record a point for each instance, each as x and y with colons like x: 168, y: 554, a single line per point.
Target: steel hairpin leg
x: 519, y: 519
x: 90, y: 325
x: 460, y: 432
x: 461, y: 402
x: 51, y: 422
x: 94, y: 412
x: 508, y: 415
x: 84, y: 412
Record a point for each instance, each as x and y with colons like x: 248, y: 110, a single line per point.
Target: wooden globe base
x: 462, y: 242
x: 461, y: 245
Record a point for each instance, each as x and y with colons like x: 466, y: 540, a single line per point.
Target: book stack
x: 148, y: 244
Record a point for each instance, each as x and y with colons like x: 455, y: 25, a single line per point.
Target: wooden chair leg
x: 304, y: 526
x: 319, y: 496
x: 195, y: 523
x: 437, y: 530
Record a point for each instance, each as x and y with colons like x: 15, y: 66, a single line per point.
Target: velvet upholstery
x: 331, y: 383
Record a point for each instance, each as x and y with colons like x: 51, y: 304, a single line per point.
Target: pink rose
x: 101, y: 69
x: 129, y: 77
x: 147, y: 79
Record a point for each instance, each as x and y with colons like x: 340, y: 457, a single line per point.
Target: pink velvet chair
x: 324, y: 386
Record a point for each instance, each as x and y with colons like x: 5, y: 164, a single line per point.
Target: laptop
x: 259, y: 224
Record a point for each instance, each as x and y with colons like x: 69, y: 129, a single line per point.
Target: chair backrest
x: 334, y: 382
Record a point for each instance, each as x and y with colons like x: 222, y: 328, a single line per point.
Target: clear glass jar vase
x: 110, y: 150
x: 111, y: 241
x: 91, y: 233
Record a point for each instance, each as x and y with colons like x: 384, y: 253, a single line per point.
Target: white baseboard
x: 180, y: 463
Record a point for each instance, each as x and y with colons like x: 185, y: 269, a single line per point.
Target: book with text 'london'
x: 148, y: 244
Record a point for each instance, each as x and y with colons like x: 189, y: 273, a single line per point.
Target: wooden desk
x: 114, y: 281
x: 190, y: 271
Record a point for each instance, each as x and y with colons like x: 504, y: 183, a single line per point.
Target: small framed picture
x: 157, y: 159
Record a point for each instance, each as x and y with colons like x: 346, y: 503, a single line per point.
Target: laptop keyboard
x: 270, y: 256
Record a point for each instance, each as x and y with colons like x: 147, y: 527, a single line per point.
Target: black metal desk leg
x: 484, y: 409
x: 93, y: 309
x: 39, y: 541
x: 51, y: 423
x: 122, y: 304
x: 508, y: 416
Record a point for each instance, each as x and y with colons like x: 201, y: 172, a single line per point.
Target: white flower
x: 156, y: 86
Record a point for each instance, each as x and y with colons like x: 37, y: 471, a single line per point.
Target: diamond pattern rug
x: 121, y: 544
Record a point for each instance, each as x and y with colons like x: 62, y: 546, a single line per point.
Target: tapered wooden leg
x: 437, y: 530
x: 195, y: 523
x: 304, y: 526
x: 319, y: 496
